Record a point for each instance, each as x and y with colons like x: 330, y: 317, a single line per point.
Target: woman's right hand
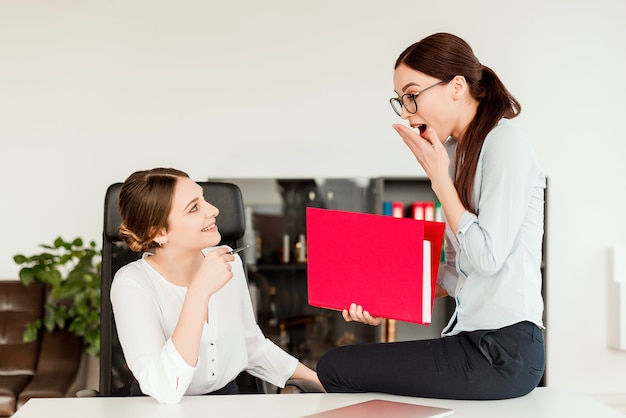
x: 356, y: 313
x: 429, y: 151
x: 214, y: 272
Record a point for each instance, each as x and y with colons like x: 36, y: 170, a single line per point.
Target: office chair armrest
x: 300, y: 386
x: 87, y: 393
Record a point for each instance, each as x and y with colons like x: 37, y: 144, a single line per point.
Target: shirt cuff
x: 273, y: 364
x: 467, y: 220
x: 177, y: 365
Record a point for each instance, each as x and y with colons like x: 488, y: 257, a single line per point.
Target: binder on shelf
x: 439, y: 218
x: 393, y: 208
x: 376, y: 261
x: 387, y: 207
x: 397, y: 209
x: 423, y: 211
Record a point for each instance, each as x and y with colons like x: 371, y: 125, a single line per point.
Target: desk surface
x: 542, y: 402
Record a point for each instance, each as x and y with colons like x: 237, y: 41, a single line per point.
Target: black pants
x: 491, y: 364
x: 230, y: 389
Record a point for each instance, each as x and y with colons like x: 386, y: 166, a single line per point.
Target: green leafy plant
x: 71, y: 273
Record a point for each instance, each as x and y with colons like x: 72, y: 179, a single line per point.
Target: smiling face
x: 191, y: 221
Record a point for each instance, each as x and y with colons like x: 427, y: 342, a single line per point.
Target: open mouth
x: 421, y: 128
x: 208, y: 228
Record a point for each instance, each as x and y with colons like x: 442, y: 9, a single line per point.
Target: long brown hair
x: 145, y: 201
x: 444, y: 56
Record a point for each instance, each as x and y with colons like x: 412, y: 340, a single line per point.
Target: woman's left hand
x: 356, y: 313
x: 428, y: 150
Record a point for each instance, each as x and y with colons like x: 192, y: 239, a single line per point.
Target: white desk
x: 542, y: 402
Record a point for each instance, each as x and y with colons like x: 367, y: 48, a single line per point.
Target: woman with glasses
x: 183, y: 312
x: 491, y: 188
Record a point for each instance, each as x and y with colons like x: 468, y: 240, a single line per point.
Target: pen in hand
x: 236, y: 250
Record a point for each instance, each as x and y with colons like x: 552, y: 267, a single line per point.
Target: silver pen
x: 236, y: 250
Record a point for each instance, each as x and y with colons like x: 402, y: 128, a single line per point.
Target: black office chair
x: 115, y: 377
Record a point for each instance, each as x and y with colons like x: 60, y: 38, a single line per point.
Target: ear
x: 459, y: 87
x: 161, y: 237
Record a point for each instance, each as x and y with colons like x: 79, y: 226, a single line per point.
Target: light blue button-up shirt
x: 493, y: 263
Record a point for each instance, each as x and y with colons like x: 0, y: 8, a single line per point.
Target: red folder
x: 376, y: 261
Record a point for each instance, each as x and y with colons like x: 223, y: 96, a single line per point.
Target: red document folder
x: 373, y: 260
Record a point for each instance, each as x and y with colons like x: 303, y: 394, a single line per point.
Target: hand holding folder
x: 375, y: 261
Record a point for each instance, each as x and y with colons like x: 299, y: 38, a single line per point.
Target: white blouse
x: 493, y: 264
x: 147, y: 307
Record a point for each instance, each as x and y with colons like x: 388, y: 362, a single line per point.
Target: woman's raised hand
x: 428, y: 150
x: 215, y: 271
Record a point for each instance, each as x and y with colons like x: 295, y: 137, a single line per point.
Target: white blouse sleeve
x: 156, y: 364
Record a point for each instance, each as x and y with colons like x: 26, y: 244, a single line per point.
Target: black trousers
x: 490, y: 364
x: 230, y: 389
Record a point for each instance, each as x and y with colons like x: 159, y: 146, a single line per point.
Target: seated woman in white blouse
x: 183, y: 312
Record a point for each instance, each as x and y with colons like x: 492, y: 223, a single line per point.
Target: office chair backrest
x: 115, y: 377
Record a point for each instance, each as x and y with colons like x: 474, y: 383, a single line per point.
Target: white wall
x: 92, y: 90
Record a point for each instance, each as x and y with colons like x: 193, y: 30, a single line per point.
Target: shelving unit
x: 286, y: 316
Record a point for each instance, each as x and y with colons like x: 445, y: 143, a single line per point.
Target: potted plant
x: 70, y: 271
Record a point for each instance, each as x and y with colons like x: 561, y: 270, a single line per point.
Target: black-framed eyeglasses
x: 408, y: 101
